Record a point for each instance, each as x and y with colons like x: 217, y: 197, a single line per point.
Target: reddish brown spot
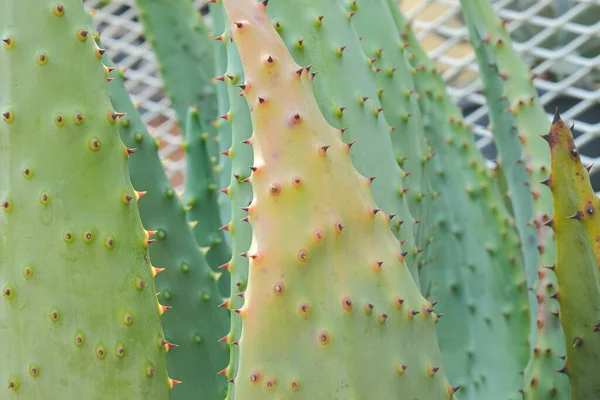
x: 296, y: 119
x: 270, y: 383
x: 400, y: 368
x: 255, y: 377
x: 382, y: 318
x: 302, y: 255
x: 324, y: 337
x: 294, y: 386
x: 275, y: 189
x: 347, y: 303
x: 541, y: 273
x: 278, y: 289
x: 534, y: 381
x: 304, y: 309
x: 574, y: 153
x: 318, y: 235
x: 398, y: 302
x: 540, y: 298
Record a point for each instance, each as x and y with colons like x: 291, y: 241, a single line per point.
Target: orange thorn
x: 225, y: 266
x: 173, y: 382
x: 225, y: 303
x: 168, y: 346
x: 223, y: 339
x: 162, y: 309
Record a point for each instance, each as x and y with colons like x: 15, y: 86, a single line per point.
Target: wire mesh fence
x: 559, y: 39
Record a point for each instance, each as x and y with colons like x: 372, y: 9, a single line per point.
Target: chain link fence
x: 559, y: 39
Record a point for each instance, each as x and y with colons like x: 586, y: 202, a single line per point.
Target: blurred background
x: 559, y: 39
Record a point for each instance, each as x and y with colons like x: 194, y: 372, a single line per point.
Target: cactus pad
x: 78, y: 305
x: 331, y: 310
x: 575, y: 225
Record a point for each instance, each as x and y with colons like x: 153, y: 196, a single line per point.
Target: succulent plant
x: 318, y: 34
x: 239, y: 192
x: 79, y: 305
x: 575, y: 226
x: 518, y: 121
x: 188, y: 62
x: 335, y: 207
x: 333, y: 294
x: 191, y: 327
